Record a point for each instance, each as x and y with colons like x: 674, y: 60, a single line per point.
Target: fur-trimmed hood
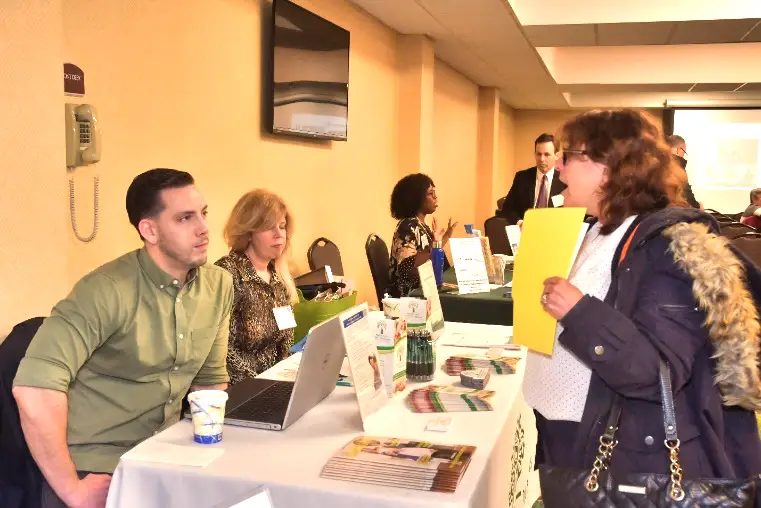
x: 722, y: 283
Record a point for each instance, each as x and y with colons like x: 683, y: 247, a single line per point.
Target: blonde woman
x: 258, y: 233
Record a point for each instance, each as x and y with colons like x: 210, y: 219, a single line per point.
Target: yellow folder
x: 549, y: 242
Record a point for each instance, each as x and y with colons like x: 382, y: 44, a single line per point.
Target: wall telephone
x: 82, y: 148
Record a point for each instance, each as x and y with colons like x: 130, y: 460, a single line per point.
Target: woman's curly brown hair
x: 641, y: 173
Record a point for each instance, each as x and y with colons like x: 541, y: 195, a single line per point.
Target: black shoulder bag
x: 595, y: 488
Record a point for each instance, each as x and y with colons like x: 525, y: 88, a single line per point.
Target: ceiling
x: 556, y: 54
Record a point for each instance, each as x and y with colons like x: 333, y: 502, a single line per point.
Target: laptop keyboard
x: 268, y: 407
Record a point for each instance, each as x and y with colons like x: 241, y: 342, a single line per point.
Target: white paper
x: 480, y: 340
x: 359, y: 340
x: 469, y: 265
x: 558, y: 200
x: 196, y: 455
x: 257, y: 498
x: 439, y: 423
x: 494, y: 352
x: 284, y: 317
x: 260, y: 500
x: 514, y: 237
x: 284, y: 370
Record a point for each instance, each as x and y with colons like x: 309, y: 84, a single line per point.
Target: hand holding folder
x: 550, y: 240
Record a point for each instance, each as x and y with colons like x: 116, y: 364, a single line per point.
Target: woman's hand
x: 559, y: 297
x: 444, y: 234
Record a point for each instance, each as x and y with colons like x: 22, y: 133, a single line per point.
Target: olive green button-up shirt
x: 126, y: 344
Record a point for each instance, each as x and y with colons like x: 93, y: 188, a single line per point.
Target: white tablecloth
x: 288, y: 463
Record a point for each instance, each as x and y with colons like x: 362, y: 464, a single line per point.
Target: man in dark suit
x: 534, y: 187
x: 679, y: 152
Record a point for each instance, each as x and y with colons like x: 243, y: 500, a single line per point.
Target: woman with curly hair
x: 653, y: 281
x: 413, y: 198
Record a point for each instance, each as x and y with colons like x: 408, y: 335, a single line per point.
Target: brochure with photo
x: 431, y: 293
x: 391, y: 343
x: 365, y: 366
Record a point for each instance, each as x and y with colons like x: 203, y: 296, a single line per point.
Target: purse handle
x: 608, y: 439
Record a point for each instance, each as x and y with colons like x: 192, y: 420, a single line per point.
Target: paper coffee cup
x: 208, y: 410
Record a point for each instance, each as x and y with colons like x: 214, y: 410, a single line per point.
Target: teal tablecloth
x: 492, y: 308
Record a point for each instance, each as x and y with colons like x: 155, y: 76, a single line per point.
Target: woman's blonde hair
x: 256, y: 211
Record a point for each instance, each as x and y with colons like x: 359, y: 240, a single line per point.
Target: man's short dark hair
x: 675, y: 141
x: 754, y: 195
x: 547, y: 138
x: 144, y: 193
x: 408, y: 195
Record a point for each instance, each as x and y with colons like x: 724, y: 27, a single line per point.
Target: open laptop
x: 274, y: 405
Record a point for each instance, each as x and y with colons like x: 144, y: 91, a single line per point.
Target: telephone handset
x: 82, y: 148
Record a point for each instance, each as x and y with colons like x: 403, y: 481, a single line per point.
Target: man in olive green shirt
x: 111, y: 365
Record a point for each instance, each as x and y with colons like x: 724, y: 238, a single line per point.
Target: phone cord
x: 73, y: 212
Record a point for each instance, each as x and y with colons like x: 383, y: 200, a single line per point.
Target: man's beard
x: 179, y: 258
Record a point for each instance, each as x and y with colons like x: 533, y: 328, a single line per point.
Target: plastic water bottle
x: 437, y: 259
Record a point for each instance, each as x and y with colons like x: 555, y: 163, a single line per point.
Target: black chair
x: 735, y: 229
x: 721, y: 218
x: 735, y: 216
x: 500, y: 204
x: 494, y: 228
x: 377, y: 257
x: 20, y: 478
x: 750, y: 245
x: 323, y: 252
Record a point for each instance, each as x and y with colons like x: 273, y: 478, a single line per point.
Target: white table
x: 288, y: 463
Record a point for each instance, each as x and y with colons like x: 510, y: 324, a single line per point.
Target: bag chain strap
x: 604, y: 452
x: 675, y: 491
x: 608, y: 441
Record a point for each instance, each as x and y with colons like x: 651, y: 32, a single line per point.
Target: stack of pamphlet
x: 477, y: 378
x: 400, y: 463
x: 500, y: 365
x: 448, y: 399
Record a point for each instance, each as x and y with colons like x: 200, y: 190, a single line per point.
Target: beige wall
x: 530, y: 123
x: 506, y: 153
x: 455, y: 140
x: 33, y: 177
x: 188, y: 97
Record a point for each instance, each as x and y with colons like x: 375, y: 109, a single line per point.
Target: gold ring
x: 544, y: 299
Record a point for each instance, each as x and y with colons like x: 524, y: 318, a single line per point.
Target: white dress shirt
x: 538, y: 185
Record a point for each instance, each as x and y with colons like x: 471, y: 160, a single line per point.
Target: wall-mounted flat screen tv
x: 310, y: 70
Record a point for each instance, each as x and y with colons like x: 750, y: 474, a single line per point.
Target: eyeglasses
x: 568, y: 151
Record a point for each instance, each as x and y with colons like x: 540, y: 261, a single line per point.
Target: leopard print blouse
x: 256, y: 343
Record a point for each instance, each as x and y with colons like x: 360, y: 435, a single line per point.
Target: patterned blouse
x: 410, y: 238
x: 256, y: 343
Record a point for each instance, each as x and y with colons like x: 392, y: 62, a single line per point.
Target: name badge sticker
x: 284, y: 317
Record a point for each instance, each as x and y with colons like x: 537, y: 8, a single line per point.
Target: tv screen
x: 310, y: 67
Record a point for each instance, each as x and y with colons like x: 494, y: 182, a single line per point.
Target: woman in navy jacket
x: 679, y: 294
